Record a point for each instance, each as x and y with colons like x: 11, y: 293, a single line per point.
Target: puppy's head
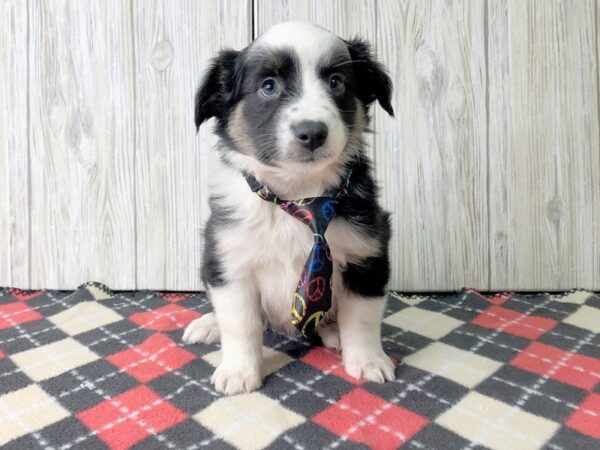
x: 295, y: 98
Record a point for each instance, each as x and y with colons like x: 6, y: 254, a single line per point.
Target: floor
x: 92, y: 368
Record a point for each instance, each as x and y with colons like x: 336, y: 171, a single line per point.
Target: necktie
x: 312, y: 299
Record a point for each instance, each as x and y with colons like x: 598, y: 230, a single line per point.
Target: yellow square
x: 434, y: 325
x: 585, y: 317
x: 272, y: 360
x: 578, y: 297
x: 53, y: 359
x: 497, y: 425
x: 248, y: 421
x: 27, y: 410
x: 463, y: 367
x: 84, y: 316
x: 411, y: 300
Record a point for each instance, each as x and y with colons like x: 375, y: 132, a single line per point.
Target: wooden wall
x: 491, y: 166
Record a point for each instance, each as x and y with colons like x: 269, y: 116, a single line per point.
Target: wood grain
x: 14, y: 196
x: 81, y: 134
x: 432, y: 158
x: 346, y: 18
x: 596, y: 238
x: 491, y: 167
x: 173, y: 44
x: 543, y: 145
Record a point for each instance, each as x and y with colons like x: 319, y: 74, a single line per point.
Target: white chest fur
x: 265, y: 248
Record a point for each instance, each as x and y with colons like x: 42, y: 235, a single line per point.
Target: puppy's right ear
x: 217, y: 87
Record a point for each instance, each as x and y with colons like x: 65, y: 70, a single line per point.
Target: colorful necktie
x: 312, y: 299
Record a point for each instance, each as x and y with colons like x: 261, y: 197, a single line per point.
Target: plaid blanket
x: 94, y: 369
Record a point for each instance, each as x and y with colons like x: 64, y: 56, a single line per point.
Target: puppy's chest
x: 277, y: 238
x: 277, y: 248
x: 268, y: 240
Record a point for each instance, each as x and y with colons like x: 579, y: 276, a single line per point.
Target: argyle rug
x: 95, y: 369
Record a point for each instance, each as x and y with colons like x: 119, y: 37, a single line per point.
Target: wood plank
x: 81, y: 134
x: 432, y: 157
x: 343, y: 17
x: 596, y: 261
x: 14, y: 199
x: 173, y: 44
x: 544, y: 145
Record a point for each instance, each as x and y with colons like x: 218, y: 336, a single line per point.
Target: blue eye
x: 269, y: 87
x: 336, y: 83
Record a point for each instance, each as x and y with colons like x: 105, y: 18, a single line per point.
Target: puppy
x: 291, y: 110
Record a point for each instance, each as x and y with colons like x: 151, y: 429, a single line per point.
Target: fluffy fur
x: 297, y: 76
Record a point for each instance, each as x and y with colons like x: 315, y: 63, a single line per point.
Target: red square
x: 126, y: 419
x: 586, y: 418
x: 173, y: 297
x: 23, y: 295
x: 13, y: 314
x: 167, y: 318
x: 513, y: 322
x: 154, y: 357
x: 2, y: 354
x: 365, y: 418
x: 571, y: 368
x: 330, y: 362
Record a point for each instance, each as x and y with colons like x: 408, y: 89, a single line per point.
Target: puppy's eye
x: 269, y: 87
x: 336, y: 83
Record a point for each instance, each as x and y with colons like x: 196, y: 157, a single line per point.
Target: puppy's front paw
x: 203, y: 330
x: 373, y: 366
x: 231, y: 379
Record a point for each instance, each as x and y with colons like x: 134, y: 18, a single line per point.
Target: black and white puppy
x: 297, y: 76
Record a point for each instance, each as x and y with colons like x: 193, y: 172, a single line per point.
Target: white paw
x: 204, y: 330
x: 373, y: 366
x: 330, y: 335
x: 231, y: 379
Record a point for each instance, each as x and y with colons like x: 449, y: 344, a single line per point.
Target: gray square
x: 552, y: 399
x: 15, y: 340
x: 492, y: 344
x: 81, y: 392
x: 192, y: 395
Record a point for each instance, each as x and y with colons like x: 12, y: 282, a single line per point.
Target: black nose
x: 310, y: 134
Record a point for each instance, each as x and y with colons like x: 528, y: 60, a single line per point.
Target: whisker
x: 264, y: 141
x: 350, y: 62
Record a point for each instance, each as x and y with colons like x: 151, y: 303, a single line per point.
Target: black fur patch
x: 262, y: 115
x: 372, y: 81
x: 345, y: 102
x: 218, y: 88
x: 212, y: 271
x: 361, y: 209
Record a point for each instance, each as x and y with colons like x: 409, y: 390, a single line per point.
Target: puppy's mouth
x: 311, y: 159
x: 317, y: 155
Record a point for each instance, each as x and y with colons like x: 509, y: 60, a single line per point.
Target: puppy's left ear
x: 372, y: 80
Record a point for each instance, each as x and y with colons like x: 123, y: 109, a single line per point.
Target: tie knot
x: 316, y: 212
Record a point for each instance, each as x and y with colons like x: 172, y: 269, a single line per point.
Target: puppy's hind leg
x: 330, y: 335
x: 203, y: 330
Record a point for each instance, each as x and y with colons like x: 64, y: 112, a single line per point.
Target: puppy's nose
x: 310, y: 134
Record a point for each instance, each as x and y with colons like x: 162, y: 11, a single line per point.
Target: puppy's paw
x: 373, y: 366
x: 330, y: 335
x: 204, y: 330
x: 231, y: 379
